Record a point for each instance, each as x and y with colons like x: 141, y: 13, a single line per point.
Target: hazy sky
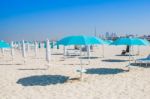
x: 41, y: 19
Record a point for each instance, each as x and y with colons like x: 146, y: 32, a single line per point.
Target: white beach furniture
x: 144, y: 60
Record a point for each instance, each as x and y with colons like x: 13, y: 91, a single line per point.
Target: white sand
x: 103, y: 81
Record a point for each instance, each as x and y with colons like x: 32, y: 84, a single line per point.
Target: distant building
x: 110, y: 36
x: 107, y: 35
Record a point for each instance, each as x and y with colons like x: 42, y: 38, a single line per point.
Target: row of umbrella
x: 89, y: 40
x: 83, y: 40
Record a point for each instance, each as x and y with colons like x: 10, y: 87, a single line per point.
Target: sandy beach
x: 105, y: 78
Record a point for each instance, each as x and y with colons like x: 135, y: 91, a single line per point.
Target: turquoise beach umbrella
x: 4, y: 45
x: 57, y: 46
x: 52, y: 44
x: 80, y: 40
x: 130, y: 41
x: 39, y: 45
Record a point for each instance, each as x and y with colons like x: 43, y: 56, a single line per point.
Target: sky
x: 54, y: 19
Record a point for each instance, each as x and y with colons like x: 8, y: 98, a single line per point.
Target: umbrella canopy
x: 130, y: 41
x: 80, y: 40
x: 4, y: 45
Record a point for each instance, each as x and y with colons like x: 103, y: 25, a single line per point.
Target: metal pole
x: 88, y: 52
x: 138, y: 50
x: 81, y: 74
x: 129, y: 60
x: 103, y: 50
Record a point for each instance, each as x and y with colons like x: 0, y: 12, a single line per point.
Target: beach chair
x: 144, y: 60
x: 124, y: 52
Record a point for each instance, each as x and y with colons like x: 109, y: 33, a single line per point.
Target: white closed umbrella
x: 12, y: 50
x: 28, y: 46
x: 20, y: 46
x: 48, y: 52
x: 65, y: 51
x: 36, y: 48
x: 3, y: 50
x: 23, y: 50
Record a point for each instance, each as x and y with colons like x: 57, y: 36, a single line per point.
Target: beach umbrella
x: 12, y: 50
x: 28, y: 46
x: 52, y: 44
x: 48, y: 52
x: 130, y: 42
x: 57, y: 46
x: 4, y: 45
x: 23, y: 50
x: 45, y: 44
x: 39, y: 45
x: 81, y: 40
x: 35, y: 48
x: 20, y: 46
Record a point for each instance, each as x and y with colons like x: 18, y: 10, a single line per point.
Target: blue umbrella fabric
x: 130, y: 41
x: 80, y: 40
x: 3, y: 44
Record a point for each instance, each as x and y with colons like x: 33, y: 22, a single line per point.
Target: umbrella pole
x: 129, y: 59
x: 80, y: 51
x: 103, y: 50
x: 138, y: 50
x: 3, y: 51
x: 36, y: 48
x: 89, y: 53
x: 81, y: 74
x: 64, y: 52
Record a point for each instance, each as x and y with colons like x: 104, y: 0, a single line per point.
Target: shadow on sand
x: 145, y: 65
x: 11, y: 64
x: 42, y: 80
x: 114, y: 60
x: 104, y: 71
x: 125, y: 55
x: 32, y: 69
x: 57, y: 54
x: 89, y: 58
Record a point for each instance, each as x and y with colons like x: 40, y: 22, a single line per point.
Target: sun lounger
x: 144, y: 60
